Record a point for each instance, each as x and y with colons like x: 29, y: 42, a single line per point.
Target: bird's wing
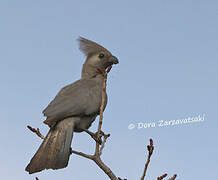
x: 79, y: 98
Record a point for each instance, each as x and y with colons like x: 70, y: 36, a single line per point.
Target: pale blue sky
x: 168, y: 70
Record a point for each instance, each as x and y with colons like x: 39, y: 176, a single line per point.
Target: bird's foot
x: 95, y: 136
x: 98, y: 138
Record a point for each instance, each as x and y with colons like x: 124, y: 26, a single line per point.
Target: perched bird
x: 73, y: 109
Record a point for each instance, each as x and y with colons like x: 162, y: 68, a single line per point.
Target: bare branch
x: 36, y: 131
x: 98, y: 161
x: 150, y: 151
x: 101, y: 110
x: 162, y: 177
x: 105, y: 168
x: 81, y: 154
x: 173, y: 177
x: 103, y: 143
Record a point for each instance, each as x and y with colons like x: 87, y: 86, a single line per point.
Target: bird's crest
x: 89, y: 47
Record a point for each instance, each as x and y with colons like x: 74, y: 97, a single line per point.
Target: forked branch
x: 36, y: 131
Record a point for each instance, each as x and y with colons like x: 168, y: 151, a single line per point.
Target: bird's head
x: 98, y: 58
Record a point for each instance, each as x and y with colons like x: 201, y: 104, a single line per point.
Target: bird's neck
x: 89, y: 72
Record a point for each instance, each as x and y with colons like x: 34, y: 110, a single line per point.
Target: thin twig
x: 150, y: 149
x: 81, y: 154
x: 173, y: 177
x: 101, y: 111
x: 103, y: 143
x: 36, y: 131
x: 162, y: 177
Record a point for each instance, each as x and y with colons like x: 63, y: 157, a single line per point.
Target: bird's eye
x: 101, y: 55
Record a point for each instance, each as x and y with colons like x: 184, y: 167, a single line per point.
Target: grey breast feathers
x: 80, y: 98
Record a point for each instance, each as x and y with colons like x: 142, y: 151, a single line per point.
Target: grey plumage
x: 54, y: 151
x: 73, y: 109
x: 89, y: 47
x: 69, y: 102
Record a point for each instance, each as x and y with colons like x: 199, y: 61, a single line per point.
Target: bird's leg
x: 94, y: 135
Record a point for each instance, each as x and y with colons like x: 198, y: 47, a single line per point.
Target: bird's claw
x: 95, y: 136
x: 98, y: 138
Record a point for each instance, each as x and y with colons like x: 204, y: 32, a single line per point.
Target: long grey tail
x: 54, y: 152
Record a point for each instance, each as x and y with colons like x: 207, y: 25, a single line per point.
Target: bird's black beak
x: 113, y: 60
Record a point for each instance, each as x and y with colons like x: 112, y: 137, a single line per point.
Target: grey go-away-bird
x: 73, y: 109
